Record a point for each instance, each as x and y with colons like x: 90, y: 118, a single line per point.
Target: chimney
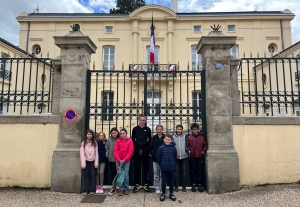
x: 174, y: 5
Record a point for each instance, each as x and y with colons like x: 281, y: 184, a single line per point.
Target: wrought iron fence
x: 25, y: 85
x: 269, y: 86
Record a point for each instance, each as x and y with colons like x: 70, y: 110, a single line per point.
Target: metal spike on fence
x: 41, y: 54
x: 188, y: 66
x: 94, y: 65
x: 47, y: 54
x: 258, y: 54
x: 114, y: 66
x: 265, y: 54
x: 244, y: 54
x: 292, y: 54
x: 251, y: 54
x: 122, y: 65
x: 178, y: 64
x: 103, y: 66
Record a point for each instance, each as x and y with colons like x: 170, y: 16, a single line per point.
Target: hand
x: 96, y: 166
x: 119, y: 168
x: 203, y: 152
x: 82, y: 167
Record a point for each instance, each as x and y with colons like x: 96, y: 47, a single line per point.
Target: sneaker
x: 162, y: 197
x: 92, y: 193
x: 136, y: 188
x: 83, y: 193
x: 200, y: 188
x: 176, y: 188
x: 101, y: 190
x: 111, y: 192
x: 157, y: 191
x: 121, y: 192
x: 173, y: 198
x: 126, y: 192
x: 193, y: 188
x: 146, y: 187
x: 183, y: 189
x: 97, y: 189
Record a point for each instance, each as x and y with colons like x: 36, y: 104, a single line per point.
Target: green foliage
x: 127, y: 6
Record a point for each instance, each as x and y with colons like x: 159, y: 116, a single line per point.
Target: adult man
x: 141, y: 136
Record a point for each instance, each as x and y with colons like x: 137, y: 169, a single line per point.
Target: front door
x: 153, y: 112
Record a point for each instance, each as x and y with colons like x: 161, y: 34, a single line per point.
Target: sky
x: 10, y: 9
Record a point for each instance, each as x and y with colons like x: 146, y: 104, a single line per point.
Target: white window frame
x: 4, y: 109
x: 5, y: 65
x: 274, y: 48
x: 108, y: 29
x: 196, y: 59
x: 156, y: 54
x: 110, y: 98
x: 196, y: 27
x: 109, y: 62
x: 231, y: 28
x: 234, y: 51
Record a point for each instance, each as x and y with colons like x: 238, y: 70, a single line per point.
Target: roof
x: 14, y: 47
x: 286, y: 49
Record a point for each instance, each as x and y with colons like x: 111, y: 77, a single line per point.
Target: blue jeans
x: 125, y: 167
x: 157, y: 176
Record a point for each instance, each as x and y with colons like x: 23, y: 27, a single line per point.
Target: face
x: 114, y: 134
x: 178, y: 130
x: 159, y: 130
x: 167, y: 140
x: 195, y: 130
x: 123, y: 134
x: 142, y: 121
x: 89, y: 136
x: 101, y: 136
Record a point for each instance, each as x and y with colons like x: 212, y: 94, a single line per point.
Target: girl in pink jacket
x: 123, y: 152
x: 89, y: 162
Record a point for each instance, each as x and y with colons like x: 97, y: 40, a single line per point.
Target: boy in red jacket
x: 197, y: 146
x: 123, y: 152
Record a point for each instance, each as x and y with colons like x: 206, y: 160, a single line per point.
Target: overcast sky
x: 10, y: 9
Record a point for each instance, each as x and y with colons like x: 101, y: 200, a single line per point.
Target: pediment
x: 158, y: 11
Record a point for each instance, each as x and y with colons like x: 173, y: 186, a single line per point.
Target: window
x: 197, y: 106
x: 107, y: 105
x: 272, y: 48
x: 4, y: 107
x: 234, y: 51
x: 297, y: 109
x: 231, y: 28
x: 268, y: 110
x: 196, y: 59
x: 108, y: 29
x: 5, y: 67
x: 36, y: 49
x: 264, y: 79
x: 108, y: 57
x: 156, y: 55
x: 197, y: 28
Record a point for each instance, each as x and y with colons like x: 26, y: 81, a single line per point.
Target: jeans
x: 197, y: 173
x: 125, y: 167
x: 113, y: 171
x: 157, y: 176
x: 167, y: 177
x: 180, y: 170
x: 141, y: 163
x: 89, y: 178
x: 100, y: 173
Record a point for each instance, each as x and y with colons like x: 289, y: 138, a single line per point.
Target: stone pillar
x: 222, y: 165
x: 69, y: 91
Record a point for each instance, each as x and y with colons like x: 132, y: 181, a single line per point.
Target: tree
x: 127, y: 6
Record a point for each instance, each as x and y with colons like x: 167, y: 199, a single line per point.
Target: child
x: 156, y: 141
x: 180, y: 141
x: 102, y: 160
x: 109, y: 153
x: 89, y: 161
x: 197, y: 146
x: 166, y: 158
x: 123, y: 152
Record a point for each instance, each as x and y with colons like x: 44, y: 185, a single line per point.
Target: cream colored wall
x: 26, y: 154
x: 267, y: 154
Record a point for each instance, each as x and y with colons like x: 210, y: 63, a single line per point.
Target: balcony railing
x: 5, y: 74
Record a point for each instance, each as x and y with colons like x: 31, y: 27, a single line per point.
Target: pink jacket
x: 88, y: 153
x: 123, y: 149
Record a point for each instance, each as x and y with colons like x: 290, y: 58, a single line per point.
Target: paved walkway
x: 271, y: 195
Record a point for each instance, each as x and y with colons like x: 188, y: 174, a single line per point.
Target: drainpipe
x: 281, y: 31
x: 28, y: 29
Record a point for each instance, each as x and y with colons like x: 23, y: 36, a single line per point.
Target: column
x: 170, y: 41
x: 135, y: 32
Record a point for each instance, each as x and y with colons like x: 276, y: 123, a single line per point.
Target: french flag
x: 152, y: 43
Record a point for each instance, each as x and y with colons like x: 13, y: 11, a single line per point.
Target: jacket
x: 155, y: 143
x: 89, y: 153
x: 180, y: 141
x: 123, y: 149
x: 101, y: 151
x: 166, y: 157
x: 141, y: 137
x: 197, y: 145
x: 109, y: 149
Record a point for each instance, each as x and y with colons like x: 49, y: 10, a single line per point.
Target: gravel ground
x: 271, y: 195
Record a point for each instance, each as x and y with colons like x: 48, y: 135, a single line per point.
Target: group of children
x: 170, y: 154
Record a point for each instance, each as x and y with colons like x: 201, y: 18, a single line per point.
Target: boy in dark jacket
x: 197, y: 146
x: 166, y: 158
x: 156, y: 141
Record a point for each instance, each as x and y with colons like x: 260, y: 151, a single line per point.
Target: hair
x: 124, y: 130
x: 93, y: 137
x: 179, y: 125
x: 114, y: 129
x: 195, y: 125
x: 143, y: 116
x: 169, y: 136
x: 159, y: 126
x: 103, y: 135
